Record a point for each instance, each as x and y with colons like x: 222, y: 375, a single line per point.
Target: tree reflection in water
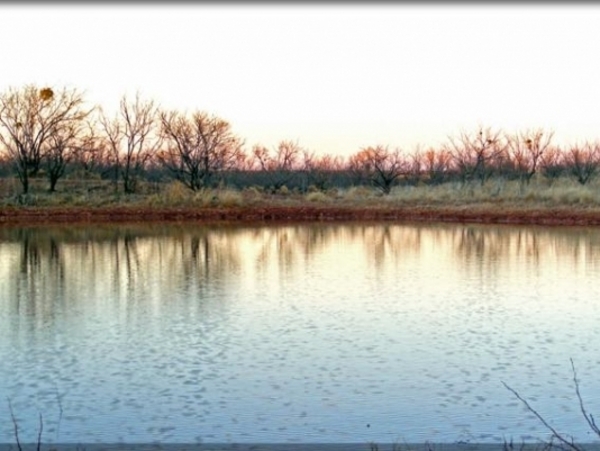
x: 147, y: 263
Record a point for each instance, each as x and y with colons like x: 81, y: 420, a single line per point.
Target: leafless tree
x: 279, y: 166
x: 379, y: 166
x: 197, y: 147
x: 551, y: 163
x: 29, y: 117
x: 436, y: 164
x: 132, y: 137
x: 422, y: 165
x: 473, y: 154
x: 525, y: 152
x: 92, y: 156
x: 61, y: 150
x: 415, y: 166
x: 320, y: 169
x: 4, y: 164
x: 583, y: 161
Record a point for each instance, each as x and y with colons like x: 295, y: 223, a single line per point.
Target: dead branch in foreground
x: 567, y: 441
x: 15, y: 424
x: 16, y: 428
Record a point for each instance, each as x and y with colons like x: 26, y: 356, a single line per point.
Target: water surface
x: 297, y: 333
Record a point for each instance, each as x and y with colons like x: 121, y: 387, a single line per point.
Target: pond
x: 297, y: 333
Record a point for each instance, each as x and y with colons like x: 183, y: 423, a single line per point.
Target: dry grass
x: 499, y: 192
x: 497, y: 195
x: 317, y: 197
x: 175, y: 194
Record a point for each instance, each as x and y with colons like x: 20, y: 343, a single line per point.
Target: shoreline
x: 468, y: 214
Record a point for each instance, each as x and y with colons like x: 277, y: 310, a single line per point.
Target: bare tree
x: 379, y: 166
x: 92, y: 155
x: 414, y: 166
x: 279, y: 166
x: 473, y: 154
x: 320, y: 169
x: 29, y: 117
x: 552, y: 164
x: 5, y: 164
x: 61, y: 150
x: 132, y: 136
x: 417, y: 165
x: 436, y: 164
x: 197, y: 147
x: 525, y: 152
x: 583, y: 161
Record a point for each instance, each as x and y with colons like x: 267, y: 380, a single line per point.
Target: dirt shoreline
x: 464, y: 214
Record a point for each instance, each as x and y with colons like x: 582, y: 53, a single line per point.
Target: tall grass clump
x: 173, y: 194
x: 317, y: 197
x: 230, y: 198
x: 358, y: 194
x: 217, y: 198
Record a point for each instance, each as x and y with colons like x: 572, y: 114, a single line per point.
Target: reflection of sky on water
x: 305, y: 333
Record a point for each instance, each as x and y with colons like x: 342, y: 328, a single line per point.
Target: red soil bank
x: 58, y: 215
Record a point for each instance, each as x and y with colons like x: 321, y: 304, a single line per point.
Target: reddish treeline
x: 51, y: 133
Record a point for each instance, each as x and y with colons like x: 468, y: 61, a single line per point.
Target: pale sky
x: 335, y: 77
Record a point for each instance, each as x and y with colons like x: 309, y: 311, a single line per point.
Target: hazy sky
x: 334, y: 77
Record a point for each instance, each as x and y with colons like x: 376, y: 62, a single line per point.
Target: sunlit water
x: 297, y: 333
